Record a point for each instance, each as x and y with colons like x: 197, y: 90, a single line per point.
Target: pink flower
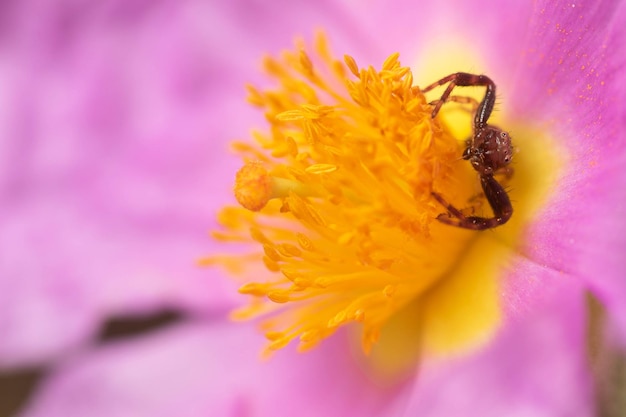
x: 115, y: 167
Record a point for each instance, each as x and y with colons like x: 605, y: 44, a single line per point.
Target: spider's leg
x: 444, y: 97
x: 458, y: 99
x: 464, y: 100
x: 436, y: 84
x: 453, y: 212
x: 506, y: 172
x: 498, y: 200
x: 463, y: 79
x: 455, y: 217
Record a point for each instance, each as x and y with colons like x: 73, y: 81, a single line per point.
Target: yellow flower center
x: 337, y: 197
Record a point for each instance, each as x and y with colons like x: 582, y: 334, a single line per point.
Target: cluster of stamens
x: 337, y: 198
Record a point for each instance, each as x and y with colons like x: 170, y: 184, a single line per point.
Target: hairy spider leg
x: 463, y: 79
x: 497, y: 198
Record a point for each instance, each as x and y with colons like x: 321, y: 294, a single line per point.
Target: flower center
x: 337, y: 197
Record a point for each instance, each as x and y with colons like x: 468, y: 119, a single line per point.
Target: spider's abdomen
x: 489, y: 150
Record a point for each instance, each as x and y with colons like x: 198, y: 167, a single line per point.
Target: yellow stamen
x: 254, y: 187
x: 345, y: 222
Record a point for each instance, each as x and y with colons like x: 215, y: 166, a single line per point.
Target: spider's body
x: 489, y: 150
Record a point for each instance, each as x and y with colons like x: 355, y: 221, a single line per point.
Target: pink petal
x: 209, y: 369
x: 574, y: 84
x: 107, y: 178
x: 536, y: 367
x: 493, y: 31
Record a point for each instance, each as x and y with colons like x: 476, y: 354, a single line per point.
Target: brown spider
x: 489, y: 150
